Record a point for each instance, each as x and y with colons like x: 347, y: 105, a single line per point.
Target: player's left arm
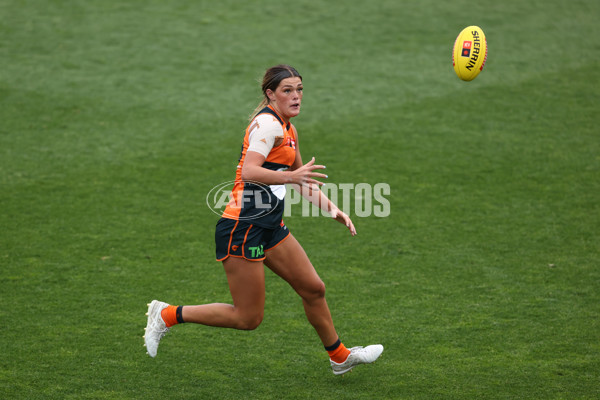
x: 314, y: 194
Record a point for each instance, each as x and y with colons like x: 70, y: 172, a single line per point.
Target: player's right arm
x: 261, y: 140
x: 252, y: 170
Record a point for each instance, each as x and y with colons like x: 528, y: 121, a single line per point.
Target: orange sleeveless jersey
x: 267, y: 209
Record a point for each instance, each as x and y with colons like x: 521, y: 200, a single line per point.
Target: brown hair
x: 271, y: 80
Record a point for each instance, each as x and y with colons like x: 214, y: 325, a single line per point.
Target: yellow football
x: 470, y: 53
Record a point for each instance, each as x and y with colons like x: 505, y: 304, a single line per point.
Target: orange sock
x: 339, y: 354
x: 169, y: 315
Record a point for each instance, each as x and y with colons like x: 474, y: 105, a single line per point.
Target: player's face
x: 287, y: 97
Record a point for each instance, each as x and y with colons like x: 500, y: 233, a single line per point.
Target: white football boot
x: 156, y: 328
x: 358, y: 355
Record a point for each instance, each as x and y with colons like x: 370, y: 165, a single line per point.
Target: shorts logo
x: 466, y: 49
x: 234, y: 247
x: 257, y: 251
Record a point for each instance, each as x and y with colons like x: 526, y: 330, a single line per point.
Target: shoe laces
x: 159, y: 327
x: 357, y: 349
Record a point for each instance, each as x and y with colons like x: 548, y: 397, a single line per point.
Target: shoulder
x: 265, y: 123
x: 266, y: 120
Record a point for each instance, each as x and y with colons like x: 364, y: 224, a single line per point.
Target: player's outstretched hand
x: 342, y: 218
x: 305, y: 175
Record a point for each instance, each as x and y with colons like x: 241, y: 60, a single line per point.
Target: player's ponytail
x: 271, y: 80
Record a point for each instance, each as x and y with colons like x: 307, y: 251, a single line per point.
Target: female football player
x: 251, y: 231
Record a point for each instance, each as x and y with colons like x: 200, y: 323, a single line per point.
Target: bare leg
x: 247, y: 285
x: 290, y: 262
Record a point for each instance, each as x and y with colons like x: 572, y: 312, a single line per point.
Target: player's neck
x: 274, y: 107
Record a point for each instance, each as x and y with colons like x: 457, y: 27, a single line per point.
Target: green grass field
x: 117, y: 118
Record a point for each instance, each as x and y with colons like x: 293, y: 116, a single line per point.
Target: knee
x: 314, y: 291
x: 319, y: 290
x: 250, y: 322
